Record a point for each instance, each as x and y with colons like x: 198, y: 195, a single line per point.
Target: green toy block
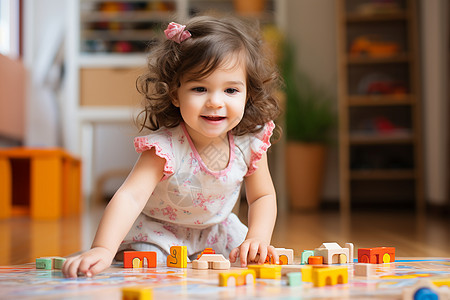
x: 294, y: 278
x: 44, y: 263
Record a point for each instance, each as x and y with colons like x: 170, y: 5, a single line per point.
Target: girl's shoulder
x: 253, y: 145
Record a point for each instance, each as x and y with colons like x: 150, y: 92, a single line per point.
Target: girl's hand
x: 253, y: 250
x: 88, y: 263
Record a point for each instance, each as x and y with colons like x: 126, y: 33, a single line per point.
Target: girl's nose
x: 215, y: 100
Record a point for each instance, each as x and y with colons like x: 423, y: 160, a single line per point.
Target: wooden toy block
x: 177, y: 257
x: 305, y: 255
x: 206, y: 251
x: 377, y: 255
x: 364, y: 270
x: 285, y: 256
x: 424, y: 289
x: 137, y: 293
x: 58, y: 262
x: 211, y: 261
x: 44, y: 263
x: 294, y: 278
x: 307, y: 274
x: 266, y: 271
x: 351, y: 251
x: 322, y: 276
x: 333, y: 253
x: 237, y: 278
x: 286, y: 269
x: 315, y: 260
x: 139, y: 259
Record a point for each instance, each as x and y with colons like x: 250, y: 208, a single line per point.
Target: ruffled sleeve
x: 162, y: 142
x: 257, y: 144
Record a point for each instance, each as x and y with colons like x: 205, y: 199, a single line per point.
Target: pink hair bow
x: 176, y: 32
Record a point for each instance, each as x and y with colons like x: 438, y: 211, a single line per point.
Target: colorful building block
x: 364, y: 270
x: 266, y: 271
x: 424, y: 289
x: 206, y: 251
x: 333, y: 253
x: 285, y: 257
x: 237, y: 278
x: 307, y: 274
x: 322, y: 276
x: 211, y: 261
x: 177, y: 257
x: 315, y: 260
x: 305, y: 255
x: 377, y: 255
x: 49, y: 263
x: 139, y: 259
x: 58, y: 262
x: 137, y: 293
x: 294, y: 278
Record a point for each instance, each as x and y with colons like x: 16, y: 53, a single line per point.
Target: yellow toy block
x: 137, y: 293
x: 306, y: 273
x: 177, y: 257
x: 322, y: 276
x: 237, y: 278
x: 266, y: 271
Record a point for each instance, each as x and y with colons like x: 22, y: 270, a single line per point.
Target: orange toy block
x: 139, y: 259
x: 285, y: 257
x: 206, y: 251
x: 377, y: 255
x: 315, y: 260
x: 177, y: 257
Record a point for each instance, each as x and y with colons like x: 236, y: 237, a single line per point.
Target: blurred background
x: 365, y: 127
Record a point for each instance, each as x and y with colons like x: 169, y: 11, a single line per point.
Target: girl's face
x: 213, y: 105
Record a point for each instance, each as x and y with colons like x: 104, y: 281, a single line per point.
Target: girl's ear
x: 175, y: 102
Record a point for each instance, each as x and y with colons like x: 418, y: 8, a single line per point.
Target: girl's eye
x: 199, y: 89
x: 231, y: 91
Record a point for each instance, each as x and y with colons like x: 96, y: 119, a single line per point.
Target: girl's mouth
x: 213, y: 118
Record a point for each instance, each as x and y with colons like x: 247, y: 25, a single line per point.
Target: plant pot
x: 305, y: 169
x: 249, y: 7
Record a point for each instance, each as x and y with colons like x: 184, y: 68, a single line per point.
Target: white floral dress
x: 191, y: 206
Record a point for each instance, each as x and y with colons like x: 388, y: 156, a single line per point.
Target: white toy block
x: 332, y: 253
x: 211, y: 261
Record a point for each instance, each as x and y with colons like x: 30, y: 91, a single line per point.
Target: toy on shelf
x: 377, y: 255
x: 374, y: 47
x: 332, y: 253
x: 177, y: 257
x: 137, y: 293
x: 139, y: 259
x: 211, y: 261
x: 322, y: 276
x: 237, y: 278
x: 50, y: 263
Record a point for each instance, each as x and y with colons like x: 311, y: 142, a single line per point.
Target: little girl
x: 209, y: 105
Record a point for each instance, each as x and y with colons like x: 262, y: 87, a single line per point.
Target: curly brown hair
x: 211, y: 43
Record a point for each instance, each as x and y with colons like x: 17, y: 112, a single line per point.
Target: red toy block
x: 377, y: 255
x: 138, y: 259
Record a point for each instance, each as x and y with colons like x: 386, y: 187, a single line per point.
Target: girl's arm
x: 262, y: 212
x: 119, y: 216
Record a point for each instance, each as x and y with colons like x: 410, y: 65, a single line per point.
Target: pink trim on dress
x: 142, y: 144
x: 256, y: 156
x: 216, y: 174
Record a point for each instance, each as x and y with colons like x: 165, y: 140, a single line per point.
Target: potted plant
x: 309, y: 118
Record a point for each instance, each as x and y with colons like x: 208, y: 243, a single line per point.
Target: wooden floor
x: 22, y: 240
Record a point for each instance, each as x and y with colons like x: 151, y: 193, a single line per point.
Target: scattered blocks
x: 377, y: 255
x: 305, y: 255
x: 315, y: 260
x: 424, y: 289
x: 294, y: 278
x: 49, y: 263
x: 137, y: 293
x: 139, y: 259
x: 266, y: 271
x: 333, y: 253
x: 237, y: 278
x: 364, y: 270
x: 177, y: 257
x: 211, y: 261
x: 322, y: 276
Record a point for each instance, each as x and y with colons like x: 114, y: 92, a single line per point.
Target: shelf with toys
x: 379, y: 103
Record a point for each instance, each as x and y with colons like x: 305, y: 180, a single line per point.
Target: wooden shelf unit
x: 380, y: 143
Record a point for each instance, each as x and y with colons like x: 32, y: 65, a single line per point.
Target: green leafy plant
x: 309, y: 111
